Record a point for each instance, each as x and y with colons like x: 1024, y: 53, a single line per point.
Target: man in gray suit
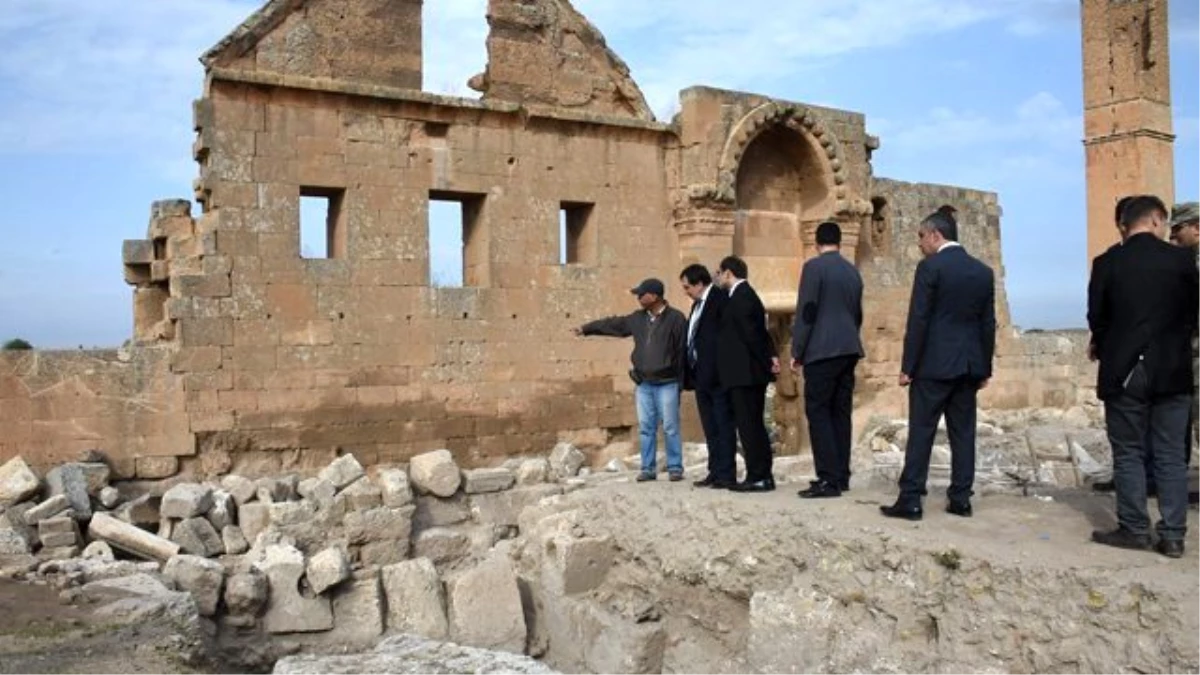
x: 825, y: 342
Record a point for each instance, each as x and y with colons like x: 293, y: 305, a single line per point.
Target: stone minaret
x: 1127, y: 109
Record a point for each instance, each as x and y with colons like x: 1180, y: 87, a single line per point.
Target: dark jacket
x: 828, y: 310
x: 951, y: 330
x: 1098, y: 276
x: 1142, y: 304
x: 703, y: 373
x: 657, y: 345
x: 744, y: 347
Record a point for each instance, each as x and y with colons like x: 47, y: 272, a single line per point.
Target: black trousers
x: 716, y: 416
x: 748, y: 405
x: 828, y: 403
x: 928, y: 400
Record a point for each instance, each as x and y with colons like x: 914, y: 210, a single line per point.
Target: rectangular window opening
x: 576, y: 236
x: 322, y: 226
x: 457, y: 241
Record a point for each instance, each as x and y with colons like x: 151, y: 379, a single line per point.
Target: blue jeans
x: 659, y: 402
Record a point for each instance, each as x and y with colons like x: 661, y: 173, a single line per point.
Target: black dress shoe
x: 1172, y: 548
x: 764, y: 485
x: 1122, y: 538
x: 1104, y: 486
x: 959, y: 509
x: 898, y: 510
x: 819, y: 490
x: 722, y: 484
x: 707, y: 482
x: 844, y: 487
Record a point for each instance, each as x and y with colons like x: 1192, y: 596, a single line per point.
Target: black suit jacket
x: 745, y: 348
x: 951, y: 318
x: 704, y: 374
x: 1142, y: 303
x: 1098, y: 276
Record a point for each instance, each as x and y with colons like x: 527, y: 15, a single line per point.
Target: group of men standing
x: 1142, y: 310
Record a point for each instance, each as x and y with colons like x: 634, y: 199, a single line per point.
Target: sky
x: 95, y: 120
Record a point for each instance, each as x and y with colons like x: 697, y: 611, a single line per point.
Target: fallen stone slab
x: 532, y: 471
x: 246, y: 593
x: 484, y: 607
x: 234, y: 540
x: 198, y: 537
x: 69, y: 480
x: 415, y: 600
x: 379, y: 524
x: 437, y: 512
x: 47, y: 509
x: 566, y: 460
x: 318, y: 491
x: 504, y: 508
x: 395, y: 487
x: 327, y: 568
x: 253, y: 519
x: 242, y: 489
x: 140, y: 596
x: 442, y: 545
x: 58, y: 532
x: 130, y: 538
x: 342, y: 471
x: 186, y: 500
x: 287, y: 610
x: 477, y: 481
x: 405, y: 654
x: 17, y: 482
x: 201, y: 577
x: 435, y: 473
x: 361, y: 495
x: 358, y: 611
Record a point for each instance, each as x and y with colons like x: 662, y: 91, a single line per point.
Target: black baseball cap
x: 654, y: 286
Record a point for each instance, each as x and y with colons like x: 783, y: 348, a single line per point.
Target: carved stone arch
x: 800, y: 119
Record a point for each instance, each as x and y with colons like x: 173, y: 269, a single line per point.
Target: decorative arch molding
x: 803, y: 120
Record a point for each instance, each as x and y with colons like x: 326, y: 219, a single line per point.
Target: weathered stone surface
x: 1047, y: 442
x: 379, y: 524
x: 442, y: 545
x: 318, y: 491
x: 435, y: 473
x: 221, y: 513
x: 327, y: 568
x: 69, y: 480
x: 246, y: 592
x: 271, y: 490
x: 300, y: 521
x: 13, y: 542
x: 415, y: 599
x: 242, y: 489
x: 198, y: 537
x: 566, y: 460
x: 98, y: 550
x: 438, y: 512
x: 130, y: 538
x: 47, y: 509
x: 791, y: 631
x: 576, y: 565
x: 361, y: 495
x: 342, y: 471
x: 504, y: 508
x: 395, y: 487
x: 476, y: 481
x: 234, y: 540
x: 484, y: 607
x: 141, y: 510
x: 287, y: 610
x: 153, y: 468
x: 95, y: 474
x: 17, y: 482
x: 140, y: 596
x: 58, y: 532
x: 532, y: 471
x: 109, y: 496
x: 404, y: 654
x: 358, y: 611
x: 201, y: 577
x: 186, y: 500
x: 253, y: 518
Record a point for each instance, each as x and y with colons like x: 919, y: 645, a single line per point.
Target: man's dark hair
x: 948, y: 210
x: 696, y: 274
x: 829, y: 234
x: 1140, y: 207
x: 942, y: 222
x: 1121, y: 204
x: 734, y: 265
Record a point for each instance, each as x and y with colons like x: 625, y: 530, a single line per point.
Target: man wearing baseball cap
x: 658, y: 332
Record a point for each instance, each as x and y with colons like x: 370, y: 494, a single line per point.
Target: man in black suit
x: 826, y: 343
x: 712, y: 400
x: 948, y: 347
x: 746, y: 363
x: 1142, y: 314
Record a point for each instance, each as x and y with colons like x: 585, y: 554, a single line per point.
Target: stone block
x: 572, y: 565
x: 14, y: 543
x: 1048, y: 442
x: 246, y: 593
x: 58, y: 552
x: 442, y: 545
x: 361, y: 495
x: 437, y: 512
x: 566, y: 460
x: 69, y: 480
x: 140, y: 511
x: 234, y: 540
x: 98, y: 550
x: 318, y: 491
x: 221, y: 513
x: 242, y: 489
x: 477, y: 481
x: 415, y: 599
x: 47, y: 509
x: 435, y: 473
x: 327, y: 568
x: 130, y: 538
x: 201, y: 577
x: 484, y: 607
x: 532, y: 471
x: 137, y: 252
x: 110, y: 496
x: 289, y: 611
x: 380, y: 524
x: 156, y: 467
x: 395, y: 487
x: 300, y: 521
x: 342, y: 471
x: 186, y: 500
x: 504, y: 508
x: 58, y: 532
x: 17, y: 482
x: 380, y: 553
x: 271, y: 490
x: 253, y: 518
x: 198, y: 537
x: 358, y: 611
